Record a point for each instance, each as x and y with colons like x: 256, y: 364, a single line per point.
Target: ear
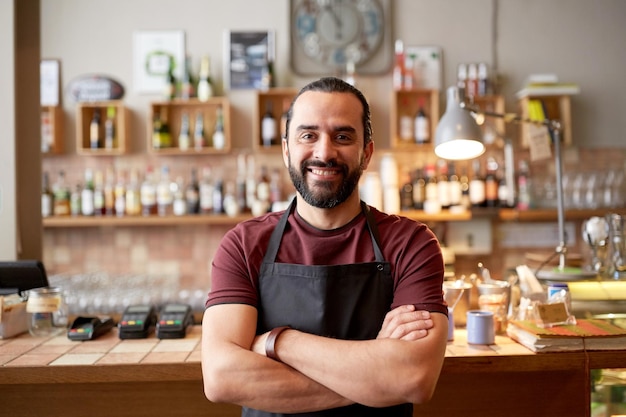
x: 368, y: 152
x: 285, y: 147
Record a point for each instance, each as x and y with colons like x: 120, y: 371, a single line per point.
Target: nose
x: 324, y: 148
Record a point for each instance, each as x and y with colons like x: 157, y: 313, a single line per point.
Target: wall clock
x: 327, y: 34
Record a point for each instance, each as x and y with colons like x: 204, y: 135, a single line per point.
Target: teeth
x: 321, y: 172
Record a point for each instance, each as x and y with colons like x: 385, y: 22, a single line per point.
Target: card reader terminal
x: 89, y: 328
x: 173, y: 321
x: 137, y: 322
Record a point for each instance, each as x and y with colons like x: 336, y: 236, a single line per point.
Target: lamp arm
x: 556, y: 128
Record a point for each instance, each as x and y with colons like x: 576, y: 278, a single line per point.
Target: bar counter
x: 152, y: 377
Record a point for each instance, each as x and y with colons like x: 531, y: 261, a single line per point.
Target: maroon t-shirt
x: 409, y: 246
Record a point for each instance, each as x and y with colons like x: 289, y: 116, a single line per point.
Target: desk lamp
x: 458, y: 136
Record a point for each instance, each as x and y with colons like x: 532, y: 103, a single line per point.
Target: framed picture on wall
x: 153, y: 53
x: 247, y: 54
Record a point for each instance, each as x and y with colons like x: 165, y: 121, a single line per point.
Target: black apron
x: 340, y: 301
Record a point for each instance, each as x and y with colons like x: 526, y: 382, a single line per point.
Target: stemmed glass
x: 452, y: 293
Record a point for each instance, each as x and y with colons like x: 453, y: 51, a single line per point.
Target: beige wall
x: 579, y: 40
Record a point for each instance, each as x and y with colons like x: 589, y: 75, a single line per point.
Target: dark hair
x: 335, y: 85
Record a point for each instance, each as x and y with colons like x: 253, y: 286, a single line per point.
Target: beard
x: 325, y: 193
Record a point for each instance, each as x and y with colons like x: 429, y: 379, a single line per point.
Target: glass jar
x: 47, y: 312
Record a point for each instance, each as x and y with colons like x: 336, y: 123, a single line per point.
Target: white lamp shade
x: 457, y: 136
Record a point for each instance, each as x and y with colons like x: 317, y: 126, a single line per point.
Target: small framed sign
x: 153, y: 53
x: 246, y: 57
x: 50, y: 82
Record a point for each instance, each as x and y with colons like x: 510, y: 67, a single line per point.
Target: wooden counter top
x: 153, y: 369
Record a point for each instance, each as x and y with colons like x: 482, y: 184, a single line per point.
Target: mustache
x: 305, y: 165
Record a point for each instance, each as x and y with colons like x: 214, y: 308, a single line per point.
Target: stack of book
x: 546, y: 85
x: 586, y: 334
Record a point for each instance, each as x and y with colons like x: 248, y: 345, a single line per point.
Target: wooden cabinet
x: 273, y: 102
x: 405, y: 105
x: 91, y: 136
x: 213, y: 115
x: 555, y: 107
x: 52, y: 130
x: 493, y: 127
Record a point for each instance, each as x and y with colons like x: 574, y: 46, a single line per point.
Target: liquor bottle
x: 276, y: 189
x: 61, y: 193
x: 192, y: 193
x: 477, y: 186
x: 398, y: 67
x: 94, y: 130
x: 523, y: 186
x: 109, y: 192
x: 504, y: 190
x: 465, y: 190
x: 164, y: 195
x: 75, y: 200
x: 179, y: 205
x: 218, y: 196
x: 283, y: 118
x: 110, y: 140
x: 120, y: 194
x: 422, y: 125
x: 263, y: 186
x: 268, y: 126
x: 86, y: 195
x: 183, y: 137
x: 47, y: 198
x: 206, y: 191
x: 482, y: 84
x: 250, y: 181
x: 132, y: 197
x: 454, y: 187
x: 219, y: 140
x: 431, y: 201
x: 198, y: 132
x: 267, y: 73
x: 98, y: 193
x: 491, y: 183
x: 147, y: 193
x: 461, y: 76
x: 406, y: 123
x: 187, y: 89
x: 406, y: 192
x: 240, y: 183
x: 231, y: 208
x: 169, y: 90
x: 443, y: 184
x: 205, y: 84
x: 419, y: 189
x: 160, y: 130
x: 472, y: 81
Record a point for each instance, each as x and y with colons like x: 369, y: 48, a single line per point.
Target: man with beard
x: 330, y: 308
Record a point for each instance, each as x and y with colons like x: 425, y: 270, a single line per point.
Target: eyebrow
x: 346, y: 128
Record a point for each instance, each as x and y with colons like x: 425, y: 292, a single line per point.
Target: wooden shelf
x: 550, y: 214
x: 407, y: 103
x: 175, y: 110
x: 84, y: 114
x: 494, y: 104
x: 131, y: 221
x: 52, y: 125
x: 279, y: 99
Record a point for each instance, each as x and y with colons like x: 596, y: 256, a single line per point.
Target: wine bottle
x: 422, y: 126
x: 161, y: 131
x: 47, y: 198
x: 61, y: 196
x: 147, y: 194
x: 268, y: 126
x: 109, y: 129
x: 192, y: 193
x: 205, y: 85
x: 169, y: 91
x: 187, y: 88
x: 218, y: 134
x: 183, y: 137
x: 86, y: 195
x: 94, y: 130
x: 198, y: 132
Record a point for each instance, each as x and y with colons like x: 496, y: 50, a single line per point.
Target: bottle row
x: 151, y: 193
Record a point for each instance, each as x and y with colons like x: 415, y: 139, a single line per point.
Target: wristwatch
x: 326, y: 35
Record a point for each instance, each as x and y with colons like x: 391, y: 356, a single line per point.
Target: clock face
x: 331, y: 33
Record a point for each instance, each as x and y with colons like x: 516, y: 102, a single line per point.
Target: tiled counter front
x: 152, y: 377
